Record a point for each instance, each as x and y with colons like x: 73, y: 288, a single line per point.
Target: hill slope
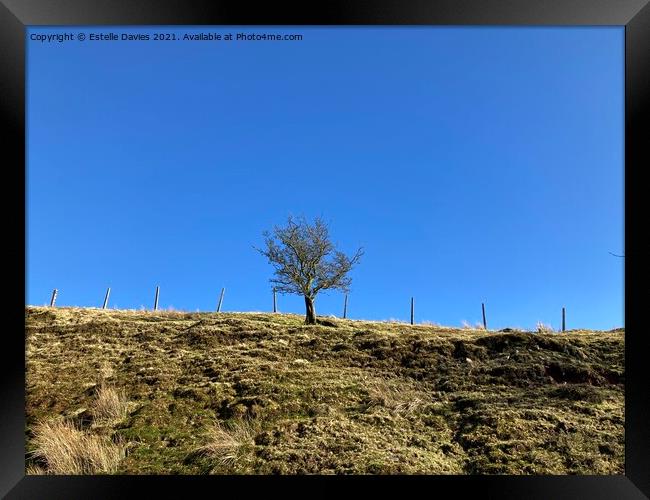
x: 263, y: 393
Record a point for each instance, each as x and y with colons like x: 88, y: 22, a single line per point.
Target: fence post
x: 345, y: 307
x: 155, y: 302
x: 484, y: 320
x: 412, y: 309
x: 275, y: 308
x: 220, y: 300
x: 563, y: 319
x: 108, y: 292
x: 53, y: 299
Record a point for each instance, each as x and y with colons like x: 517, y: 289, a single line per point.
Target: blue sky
x: 472, y: 164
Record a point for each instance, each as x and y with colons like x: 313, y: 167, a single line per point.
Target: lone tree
x: 306, y: 261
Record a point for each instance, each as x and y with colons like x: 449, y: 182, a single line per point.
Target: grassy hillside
x: 140, y: 392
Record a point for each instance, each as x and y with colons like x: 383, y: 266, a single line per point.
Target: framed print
x: 384, y: 242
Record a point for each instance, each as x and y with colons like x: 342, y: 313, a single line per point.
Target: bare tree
x: 306, y: 261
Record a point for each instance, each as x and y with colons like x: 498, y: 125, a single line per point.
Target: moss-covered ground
x: 350, y: 397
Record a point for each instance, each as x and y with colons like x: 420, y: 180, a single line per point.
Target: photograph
x: 319, y: 250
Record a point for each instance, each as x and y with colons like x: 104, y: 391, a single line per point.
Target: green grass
x: 254, y: 393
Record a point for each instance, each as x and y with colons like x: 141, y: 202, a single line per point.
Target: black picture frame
x: 634, y: 15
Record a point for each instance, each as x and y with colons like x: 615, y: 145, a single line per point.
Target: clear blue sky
x: 472, y: 164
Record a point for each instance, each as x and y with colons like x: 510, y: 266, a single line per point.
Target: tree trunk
x: 310, y: 318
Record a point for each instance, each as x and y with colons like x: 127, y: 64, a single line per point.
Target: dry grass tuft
x: 34, y: 470
x: 65, y: 449
x: 544, y: 328
x: 468, y: 326
x: 382, y: 394
x: 110, y: 404
x: 105, y: 372
x: 228, y: 444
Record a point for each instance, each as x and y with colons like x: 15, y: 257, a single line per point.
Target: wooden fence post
x: 155, y: 302
x: 108, y: 292
x: 53, y: 299
x: 484, y: 320
x: 412, y: 309
x: 345, y: 307
x: 220, y: 300
x: 275, y: 308
x: 563, y: 319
